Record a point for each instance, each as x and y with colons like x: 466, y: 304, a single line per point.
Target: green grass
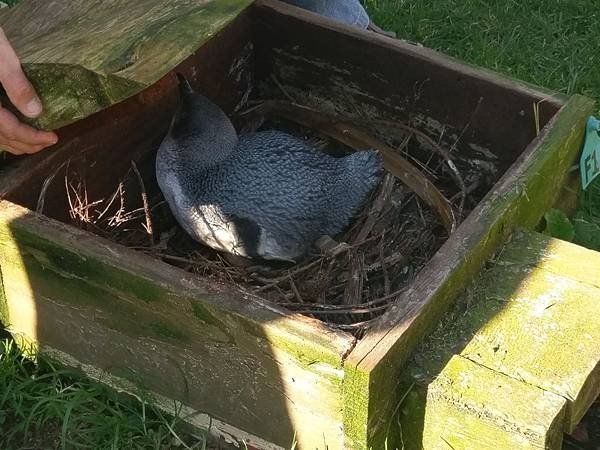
x: 44, y: 407
x: 552, y: 43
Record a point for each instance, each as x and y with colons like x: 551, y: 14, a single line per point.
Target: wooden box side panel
x: 327, y: 64
x: 519, y: 199
x: 242, y: 362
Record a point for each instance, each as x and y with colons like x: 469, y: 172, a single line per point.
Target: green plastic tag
x: 589, y: 165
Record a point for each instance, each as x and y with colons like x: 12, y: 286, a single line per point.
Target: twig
x: 111, y: 201
x: 386, y: 277
x: 115, y: 220
x: 468, y: 124
x: 456, y: 175
x: 347, y: 310
x: 331, y: 248
x: 225, y: 265
x: 353, y: 291
x: 421, y: 212
x: 148, y: 226
x: 282, y: 89
x: 374, y: 214
x: 278, y: 280
x: 470, y: 189
x: 68, y: 191
x: 463, y: 188
x: 295, y: 290
x: 323, y: 306
x: 176, y: 258
x: 283, y: 294
x: 42, y: 197
x: 389, y: 260
x: 353, y: 326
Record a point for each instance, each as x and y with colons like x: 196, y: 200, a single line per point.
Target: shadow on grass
x: 44, y: 407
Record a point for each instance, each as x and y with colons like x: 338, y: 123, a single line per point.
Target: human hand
x: 16, y: 137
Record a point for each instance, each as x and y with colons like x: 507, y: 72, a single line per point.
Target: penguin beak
x: 185, y: 92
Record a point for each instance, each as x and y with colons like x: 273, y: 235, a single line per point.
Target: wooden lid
x: 86, y: 55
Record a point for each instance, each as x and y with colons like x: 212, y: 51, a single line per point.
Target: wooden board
x: 85, y: 55
x: 567, y: 334
x: 218, y: 351
x: 469, y: 406
x: 327, y: 64
x: 520, y: 198
x: 524, y: 319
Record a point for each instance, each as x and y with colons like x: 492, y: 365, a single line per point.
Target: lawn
x: 43, y: 407
x: 551, y: 43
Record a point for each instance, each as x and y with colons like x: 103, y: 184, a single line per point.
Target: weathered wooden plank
x: 554, y: 256
x: 375, y: 76
x: 215, y: 349
x: 198, y: 420
x: 83, y: 56
x: 469, y: 406
x: 523, y: 322
x: 547, y: 328
x: 520, y: 198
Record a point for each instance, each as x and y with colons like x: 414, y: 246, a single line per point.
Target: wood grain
x: 218, y: 350
x: 86, y: 55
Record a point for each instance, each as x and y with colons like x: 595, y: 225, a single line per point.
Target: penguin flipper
x: 248, y: 233
x: 257, y: 242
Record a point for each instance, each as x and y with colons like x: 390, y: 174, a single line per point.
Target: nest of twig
x: 348, y: 280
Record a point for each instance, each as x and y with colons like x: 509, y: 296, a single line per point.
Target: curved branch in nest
x: 357, y: 139
x: 444, y: 154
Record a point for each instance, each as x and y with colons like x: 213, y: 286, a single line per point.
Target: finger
x: 18, y: 88
x: 19, y: 148
x: 26, y: 148
x: 12, y: 129
x: 5, y: 147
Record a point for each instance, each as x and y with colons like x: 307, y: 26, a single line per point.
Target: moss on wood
x: 469, y: 406
x: 71, y: 291
x: 71, y: 92
x: 522, y: 322
x: 74, y: 265
x: 520, y: 198
x: 356, y: 407
x: 554, y: 256
x: 83, y: 56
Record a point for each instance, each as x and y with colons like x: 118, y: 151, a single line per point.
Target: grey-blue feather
x: 267, y: 194
x: 347, y: 11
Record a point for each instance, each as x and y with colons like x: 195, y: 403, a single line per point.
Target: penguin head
x: 198, y: 116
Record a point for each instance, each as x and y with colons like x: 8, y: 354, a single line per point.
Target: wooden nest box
x: 259, y: 371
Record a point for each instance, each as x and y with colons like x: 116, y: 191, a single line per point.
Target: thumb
x: 19, y: 90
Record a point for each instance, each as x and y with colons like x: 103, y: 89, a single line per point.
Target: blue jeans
x: 347, y: 11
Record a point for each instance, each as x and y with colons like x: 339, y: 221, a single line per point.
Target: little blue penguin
x: 347, y: 11
x: 263, y: 195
